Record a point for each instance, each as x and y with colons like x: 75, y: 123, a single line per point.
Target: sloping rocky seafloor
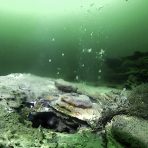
x: 48, y: 113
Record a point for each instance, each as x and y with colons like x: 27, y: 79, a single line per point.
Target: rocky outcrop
x: 30, y: 119
x: 54, y: 112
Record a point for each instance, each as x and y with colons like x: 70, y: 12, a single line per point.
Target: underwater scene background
x: 73, y: 74
x: 70, y: 39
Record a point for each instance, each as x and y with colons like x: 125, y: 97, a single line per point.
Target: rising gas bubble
x: 89, y: 50
x: 77, y: 77
x: 53, y: 40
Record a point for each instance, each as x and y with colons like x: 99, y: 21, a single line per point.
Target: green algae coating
x: 80, y: 140
x: 15, y: 134
x: 111, y: 141
x: 131, y: 131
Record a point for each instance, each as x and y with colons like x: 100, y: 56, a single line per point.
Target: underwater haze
x: 69, y: 39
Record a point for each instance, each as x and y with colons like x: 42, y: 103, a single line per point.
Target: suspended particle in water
x: 91, y: 34
x: 99, y: 71
x: 102, y: 51
x: 58, y: 73
x: 92, y: 4
x: 49, y: 60
x: 58, y: 68
x: 63, y: 54
x: 82, y: 65
x: 83, y: 50
x: 99, y: 77
x: 75, y: 71
x: 77, y: 77
x: 89, y: 50
x: 99, y: 8
x: 53, y: 39
x: 85, y: 29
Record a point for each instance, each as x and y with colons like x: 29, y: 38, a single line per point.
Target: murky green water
x: 69, y: 39
x: 101, y: 46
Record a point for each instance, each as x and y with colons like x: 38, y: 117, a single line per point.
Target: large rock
x: 130, y: 131
x: 78, y: 106
x: 138, y: 101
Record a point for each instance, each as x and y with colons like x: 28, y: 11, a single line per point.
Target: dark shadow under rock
x: 50, y: 120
